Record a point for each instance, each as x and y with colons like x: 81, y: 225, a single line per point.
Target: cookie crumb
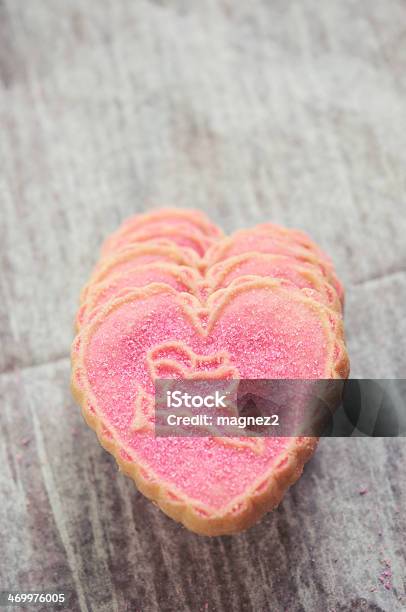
x: 385, y: 577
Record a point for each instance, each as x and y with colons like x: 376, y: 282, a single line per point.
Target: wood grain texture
x: 285, y: 111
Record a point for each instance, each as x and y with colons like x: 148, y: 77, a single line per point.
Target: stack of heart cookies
x: 172, y: 297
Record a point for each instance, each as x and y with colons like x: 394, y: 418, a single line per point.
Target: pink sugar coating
x: 284, y: 268
x: 267, y: 333
x: 251, y: 241
x: 120, y: 264
x: 294, y: 235
x: 173, y: 216
x: 181, y: 241
x: 138, y: 277
x: 181, y: 234
x: 246, y: 242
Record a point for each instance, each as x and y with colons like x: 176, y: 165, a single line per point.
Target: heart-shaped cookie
x: 156, y: 310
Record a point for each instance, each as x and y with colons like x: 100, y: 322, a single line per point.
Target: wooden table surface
x: 252, y: 111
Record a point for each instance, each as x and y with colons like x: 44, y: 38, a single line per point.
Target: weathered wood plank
x: 286, y: 111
